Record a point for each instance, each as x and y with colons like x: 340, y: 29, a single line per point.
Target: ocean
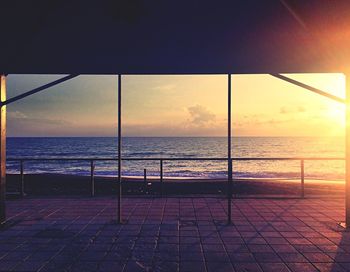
x: 185, y: 147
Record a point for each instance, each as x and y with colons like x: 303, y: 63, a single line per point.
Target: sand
x: 56, y: 184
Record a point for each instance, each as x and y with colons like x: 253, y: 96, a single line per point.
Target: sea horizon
x: 243, y: 136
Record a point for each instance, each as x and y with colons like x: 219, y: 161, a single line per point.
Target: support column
x: 347, y: 152
x: 2, y: 150
x: 119, y: 213
x: 229, y: 160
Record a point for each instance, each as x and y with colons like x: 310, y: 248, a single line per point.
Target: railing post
x: 22, y: 178
x: 161, y: 178
x: 234, y: 187
x: 302, y: 178
x: 92, y: 177
x: 145, y: 180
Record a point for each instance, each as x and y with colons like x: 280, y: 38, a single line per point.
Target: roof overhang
x: 174, y: 37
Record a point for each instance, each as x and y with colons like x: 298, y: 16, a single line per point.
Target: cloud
x: 16, y: 115
x: 173, y: 130
x: 164, y: 87
x: 283, y: 110
x: 270, y: 121
x: 287, y: 110
x: 200, y: 115
x: 20, y: 117
x: 260, y: 120
x: 301, y: 109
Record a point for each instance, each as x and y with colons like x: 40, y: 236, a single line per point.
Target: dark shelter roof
x: 174, y: 37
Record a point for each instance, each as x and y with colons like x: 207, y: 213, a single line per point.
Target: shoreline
x: 63, y: 184
x: 194, y: 178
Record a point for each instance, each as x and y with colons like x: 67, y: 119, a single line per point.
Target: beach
x: 60, y: 184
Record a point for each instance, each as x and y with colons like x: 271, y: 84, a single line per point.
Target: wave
x: 181, y: 147
x: 149, y: 153
x: 185, y: 174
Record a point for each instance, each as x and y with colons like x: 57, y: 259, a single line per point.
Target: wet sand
x: 56, y: 184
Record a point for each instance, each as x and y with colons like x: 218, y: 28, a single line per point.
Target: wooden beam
x: 36, y: 90
x: 310, y: 88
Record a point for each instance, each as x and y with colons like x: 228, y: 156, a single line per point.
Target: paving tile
x: 267, y: 257
x: 260, y: 248
x: 29, y: 266
x: 92, y: 256
x: 345, y: 265
x: 270, y: 234
x: 331, y: 249
x: 320, y: 241
x: 235, y: 248
x: 7, y: 265
x: 307, y: 248
x: 188, y: 248
x: 341, y: 257
x: 305, y: 267
x: 134, y: 266
x: 163, y: 266
x: 168, y: 234
x: 329, y: 267
x: 284, y: 248
x: 274, y: 267
x: 213, y: 248
x: 84, y: 266
x: 164, y: 256
x: 318, y: 257
x: 110, y: 266
x: 299, y: 241
x: 255, y: 240
x: 219, y: 267
x: 241, y: 257
x: 293, y: 258
x: 291, y: 234
x: 16, y: 255
x: 191, y: 256
x: 244, y: 267
x: 190, y: 266
x: 189, y: 240
x: 276, y: 241
x: 216, y: 257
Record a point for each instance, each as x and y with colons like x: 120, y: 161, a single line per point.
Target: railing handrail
x: 92, y: 160
x: 174, y: 159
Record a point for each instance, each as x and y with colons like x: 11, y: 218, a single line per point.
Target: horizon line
x: 241, y: 136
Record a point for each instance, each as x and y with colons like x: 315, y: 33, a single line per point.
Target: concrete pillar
x: 347, y: 152
x: 2, y: 149
x: 229, y: 161
x: 119, y: 214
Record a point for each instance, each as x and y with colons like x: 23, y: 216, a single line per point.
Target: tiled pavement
x: 174, y: 234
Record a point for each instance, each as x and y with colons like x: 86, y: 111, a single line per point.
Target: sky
x: 186, y: 105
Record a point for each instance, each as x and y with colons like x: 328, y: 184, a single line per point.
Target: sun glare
x: 335, y: 111
x: 337, y: 114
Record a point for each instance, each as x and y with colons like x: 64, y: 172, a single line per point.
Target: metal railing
x: 161, y: 164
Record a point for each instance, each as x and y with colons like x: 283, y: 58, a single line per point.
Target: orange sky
x: 177, y: 106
